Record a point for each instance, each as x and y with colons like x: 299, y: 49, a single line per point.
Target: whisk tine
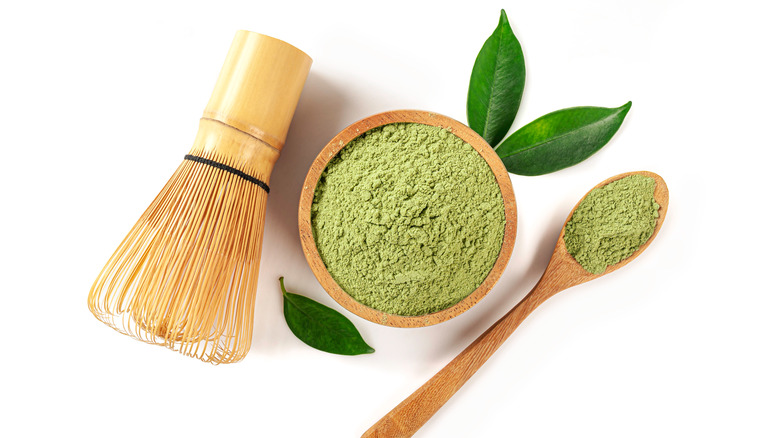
x: 188, y: 268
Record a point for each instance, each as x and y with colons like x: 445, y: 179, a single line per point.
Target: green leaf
x: 496, y: 85
x: 321, y: 327
x: 560, y: 139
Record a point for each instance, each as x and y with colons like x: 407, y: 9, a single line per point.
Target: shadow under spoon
x: 562, y: 273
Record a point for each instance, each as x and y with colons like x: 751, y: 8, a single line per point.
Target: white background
x: 99, y: 102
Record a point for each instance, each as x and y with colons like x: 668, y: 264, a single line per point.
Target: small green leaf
x: 321, y: 327
x: 496, y: 85
x: 560, y: 139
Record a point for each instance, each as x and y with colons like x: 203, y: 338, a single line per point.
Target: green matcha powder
x: 408, y: 219
x: 612, y: 222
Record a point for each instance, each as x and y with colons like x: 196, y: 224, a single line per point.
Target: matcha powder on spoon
x: 612, y: 222
x: 408, y: 219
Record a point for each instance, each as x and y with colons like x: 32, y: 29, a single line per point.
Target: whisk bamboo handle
x: 245, y: 123
x: 258, y: 87
x: 235, y: 148
x: 412, y: 413
x: 247, y: 117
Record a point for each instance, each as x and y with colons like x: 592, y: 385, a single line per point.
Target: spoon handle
x: 410, y: 415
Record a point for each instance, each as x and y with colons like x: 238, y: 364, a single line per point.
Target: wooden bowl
x: 355, y: 130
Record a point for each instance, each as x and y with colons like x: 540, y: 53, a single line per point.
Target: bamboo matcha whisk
x: 186, y: 275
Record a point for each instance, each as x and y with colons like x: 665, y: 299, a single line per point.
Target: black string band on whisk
x: 228, y: 169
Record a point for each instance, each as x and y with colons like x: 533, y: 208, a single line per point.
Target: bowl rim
x: 339, y: 142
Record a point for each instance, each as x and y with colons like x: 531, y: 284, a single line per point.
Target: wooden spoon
x: 562, y: 273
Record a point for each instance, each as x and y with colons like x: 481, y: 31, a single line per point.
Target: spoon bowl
x: 562, y: 272
x: 568, y: 272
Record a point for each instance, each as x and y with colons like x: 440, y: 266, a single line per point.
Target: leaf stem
x: 281, y: 283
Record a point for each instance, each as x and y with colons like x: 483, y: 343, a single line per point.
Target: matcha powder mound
x: 408, y: 219
x: 612, y: 222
